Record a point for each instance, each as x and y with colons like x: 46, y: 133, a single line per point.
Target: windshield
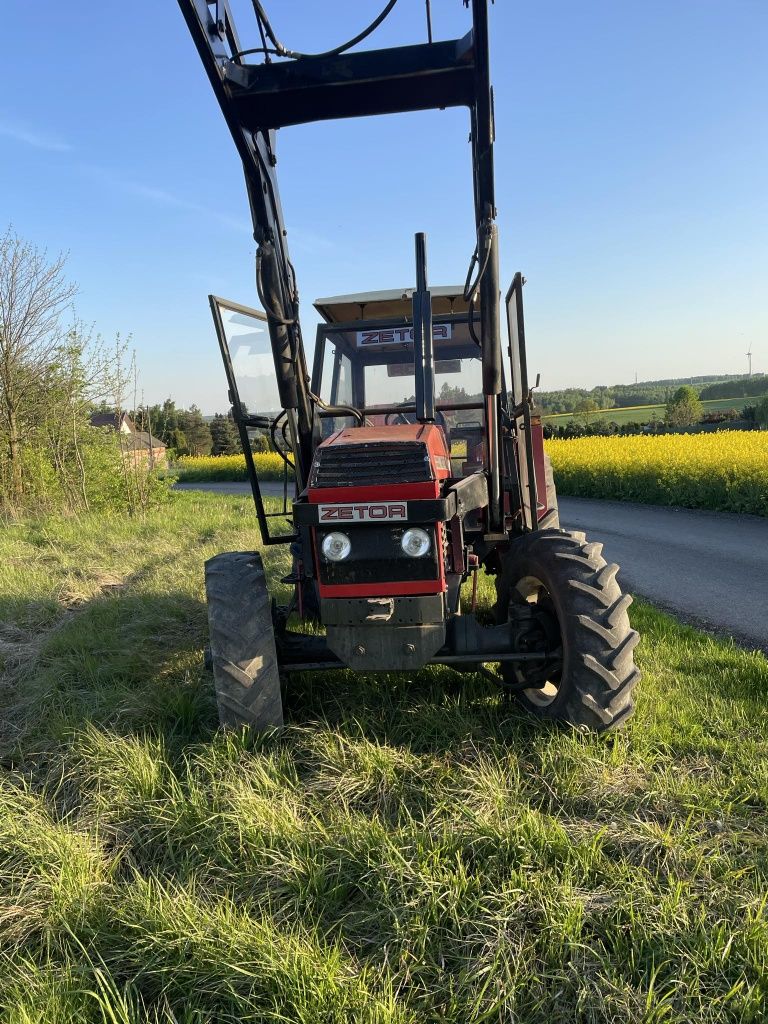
x: 374, y: 369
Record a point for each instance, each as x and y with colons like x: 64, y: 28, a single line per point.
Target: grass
x: 409, y: 849
x: 647, y: 413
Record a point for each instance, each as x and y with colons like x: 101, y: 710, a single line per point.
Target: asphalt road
x: 709, y: 568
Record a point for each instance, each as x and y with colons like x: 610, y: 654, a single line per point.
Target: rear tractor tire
x: 243, y: 654
x: 581, y: 613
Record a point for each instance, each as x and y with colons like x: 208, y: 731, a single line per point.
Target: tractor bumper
x: 385, y: 633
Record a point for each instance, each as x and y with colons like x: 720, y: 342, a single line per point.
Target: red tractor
x: 412, y: 454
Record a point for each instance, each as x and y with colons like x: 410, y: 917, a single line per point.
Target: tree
x: 196, y: 431
x: 684, y: 407
x: 452, y: 394
x: 178, y: 441
x: 585, y: 408
x: 33, y: 296
x: 226, y: 440
x: 164, y: 420
x: 761, y: 411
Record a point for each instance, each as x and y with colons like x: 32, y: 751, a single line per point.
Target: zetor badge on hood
x: 363, y: 513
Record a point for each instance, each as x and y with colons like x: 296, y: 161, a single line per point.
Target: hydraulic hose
x: 278, y: 50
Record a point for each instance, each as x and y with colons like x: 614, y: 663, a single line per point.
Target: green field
x: 410, y: 849
x: 646, y: 413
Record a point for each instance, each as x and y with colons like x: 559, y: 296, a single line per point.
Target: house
x: 137, y: 445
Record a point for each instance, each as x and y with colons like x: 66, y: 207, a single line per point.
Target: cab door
x: 245, y: 347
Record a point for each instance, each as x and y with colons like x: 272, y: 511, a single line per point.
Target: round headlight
x: 415, y: 542
x: 336, y: 546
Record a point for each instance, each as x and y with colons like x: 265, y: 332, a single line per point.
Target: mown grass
x: 408, y: 849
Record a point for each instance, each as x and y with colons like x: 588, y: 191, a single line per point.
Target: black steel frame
x: 423, y: 344
x: 243, y: 422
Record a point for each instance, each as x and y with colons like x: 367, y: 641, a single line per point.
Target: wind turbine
x: 749, y: 360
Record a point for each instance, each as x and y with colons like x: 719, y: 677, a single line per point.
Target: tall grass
x: 410, y: 848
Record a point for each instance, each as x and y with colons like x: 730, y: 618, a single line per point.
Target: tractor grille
x: 377, y: 557
x: 357, y: 465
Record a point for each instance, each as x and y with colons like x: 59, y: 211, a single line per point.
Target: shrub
x: 761, y: 412
x: 720, y: 416
x: 684, y: 407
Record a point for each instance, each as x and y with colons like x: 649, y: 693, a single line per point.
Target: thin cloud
x: 29, y: 137
x: 303, y: 241
x: 161, y: 197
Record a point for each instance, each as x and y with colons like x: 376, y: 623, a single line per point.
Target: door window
x: 245, y: 336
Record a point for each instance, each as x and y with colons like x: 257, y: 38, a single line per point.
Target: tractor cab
x: 365, y: 359
x: 397, y: 398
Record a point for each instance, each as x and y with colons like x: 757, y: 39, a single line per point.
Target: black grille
x: 355, y: 465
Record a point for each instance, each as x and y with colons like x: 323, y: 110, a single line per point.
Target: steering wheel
x: 400, y: 417
x: 410, y: 417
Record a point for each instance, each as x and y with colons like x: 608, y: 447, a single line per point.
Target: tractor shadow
x: 434, y: 710
x: 131, y: 660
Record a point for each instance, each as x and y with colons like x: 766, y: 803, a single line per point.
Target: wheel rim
x: 531, y: 590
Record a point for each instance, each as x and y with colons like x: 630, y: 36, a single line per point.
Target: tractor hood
x: 408, y: 460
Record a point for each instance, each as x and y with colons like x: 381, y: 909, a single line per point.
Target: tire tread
x: 599, y: 674
x: 243, y: 653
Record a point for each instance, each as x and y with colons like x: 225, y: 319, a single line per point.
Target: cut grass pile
x: 725, y: 471
x: 409, y: 849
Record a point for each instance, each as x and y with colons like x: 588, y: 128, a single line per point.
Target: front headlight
x: 415, y: 542
x: 336, y: 546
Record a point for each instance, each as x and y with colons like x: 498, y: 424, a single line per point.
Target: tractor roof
x: 396, y: 302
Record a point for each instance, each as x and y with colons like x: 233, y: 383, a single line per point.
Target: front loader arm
x: 214, y: 34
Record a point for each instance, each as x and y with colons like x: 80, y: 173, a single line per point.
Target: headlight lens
x: 415, y: 542
x: 336, y: 546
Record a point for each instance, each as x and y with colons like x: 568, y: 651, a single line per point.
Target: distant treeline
x: 745, y: 387
x: 188, y: 432
x: 653, y: 392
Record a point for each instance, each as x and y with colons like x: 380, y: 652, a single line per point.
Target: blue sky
x: 631, y: 157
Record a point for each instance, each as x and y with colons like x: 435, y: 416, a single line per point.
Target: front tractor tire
x: 581, y: 613
x: 243, y: 654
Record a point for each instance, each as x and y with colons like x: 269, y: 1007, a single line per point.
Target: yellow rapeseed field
x: 269, y: 466
x: 726, y: 470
